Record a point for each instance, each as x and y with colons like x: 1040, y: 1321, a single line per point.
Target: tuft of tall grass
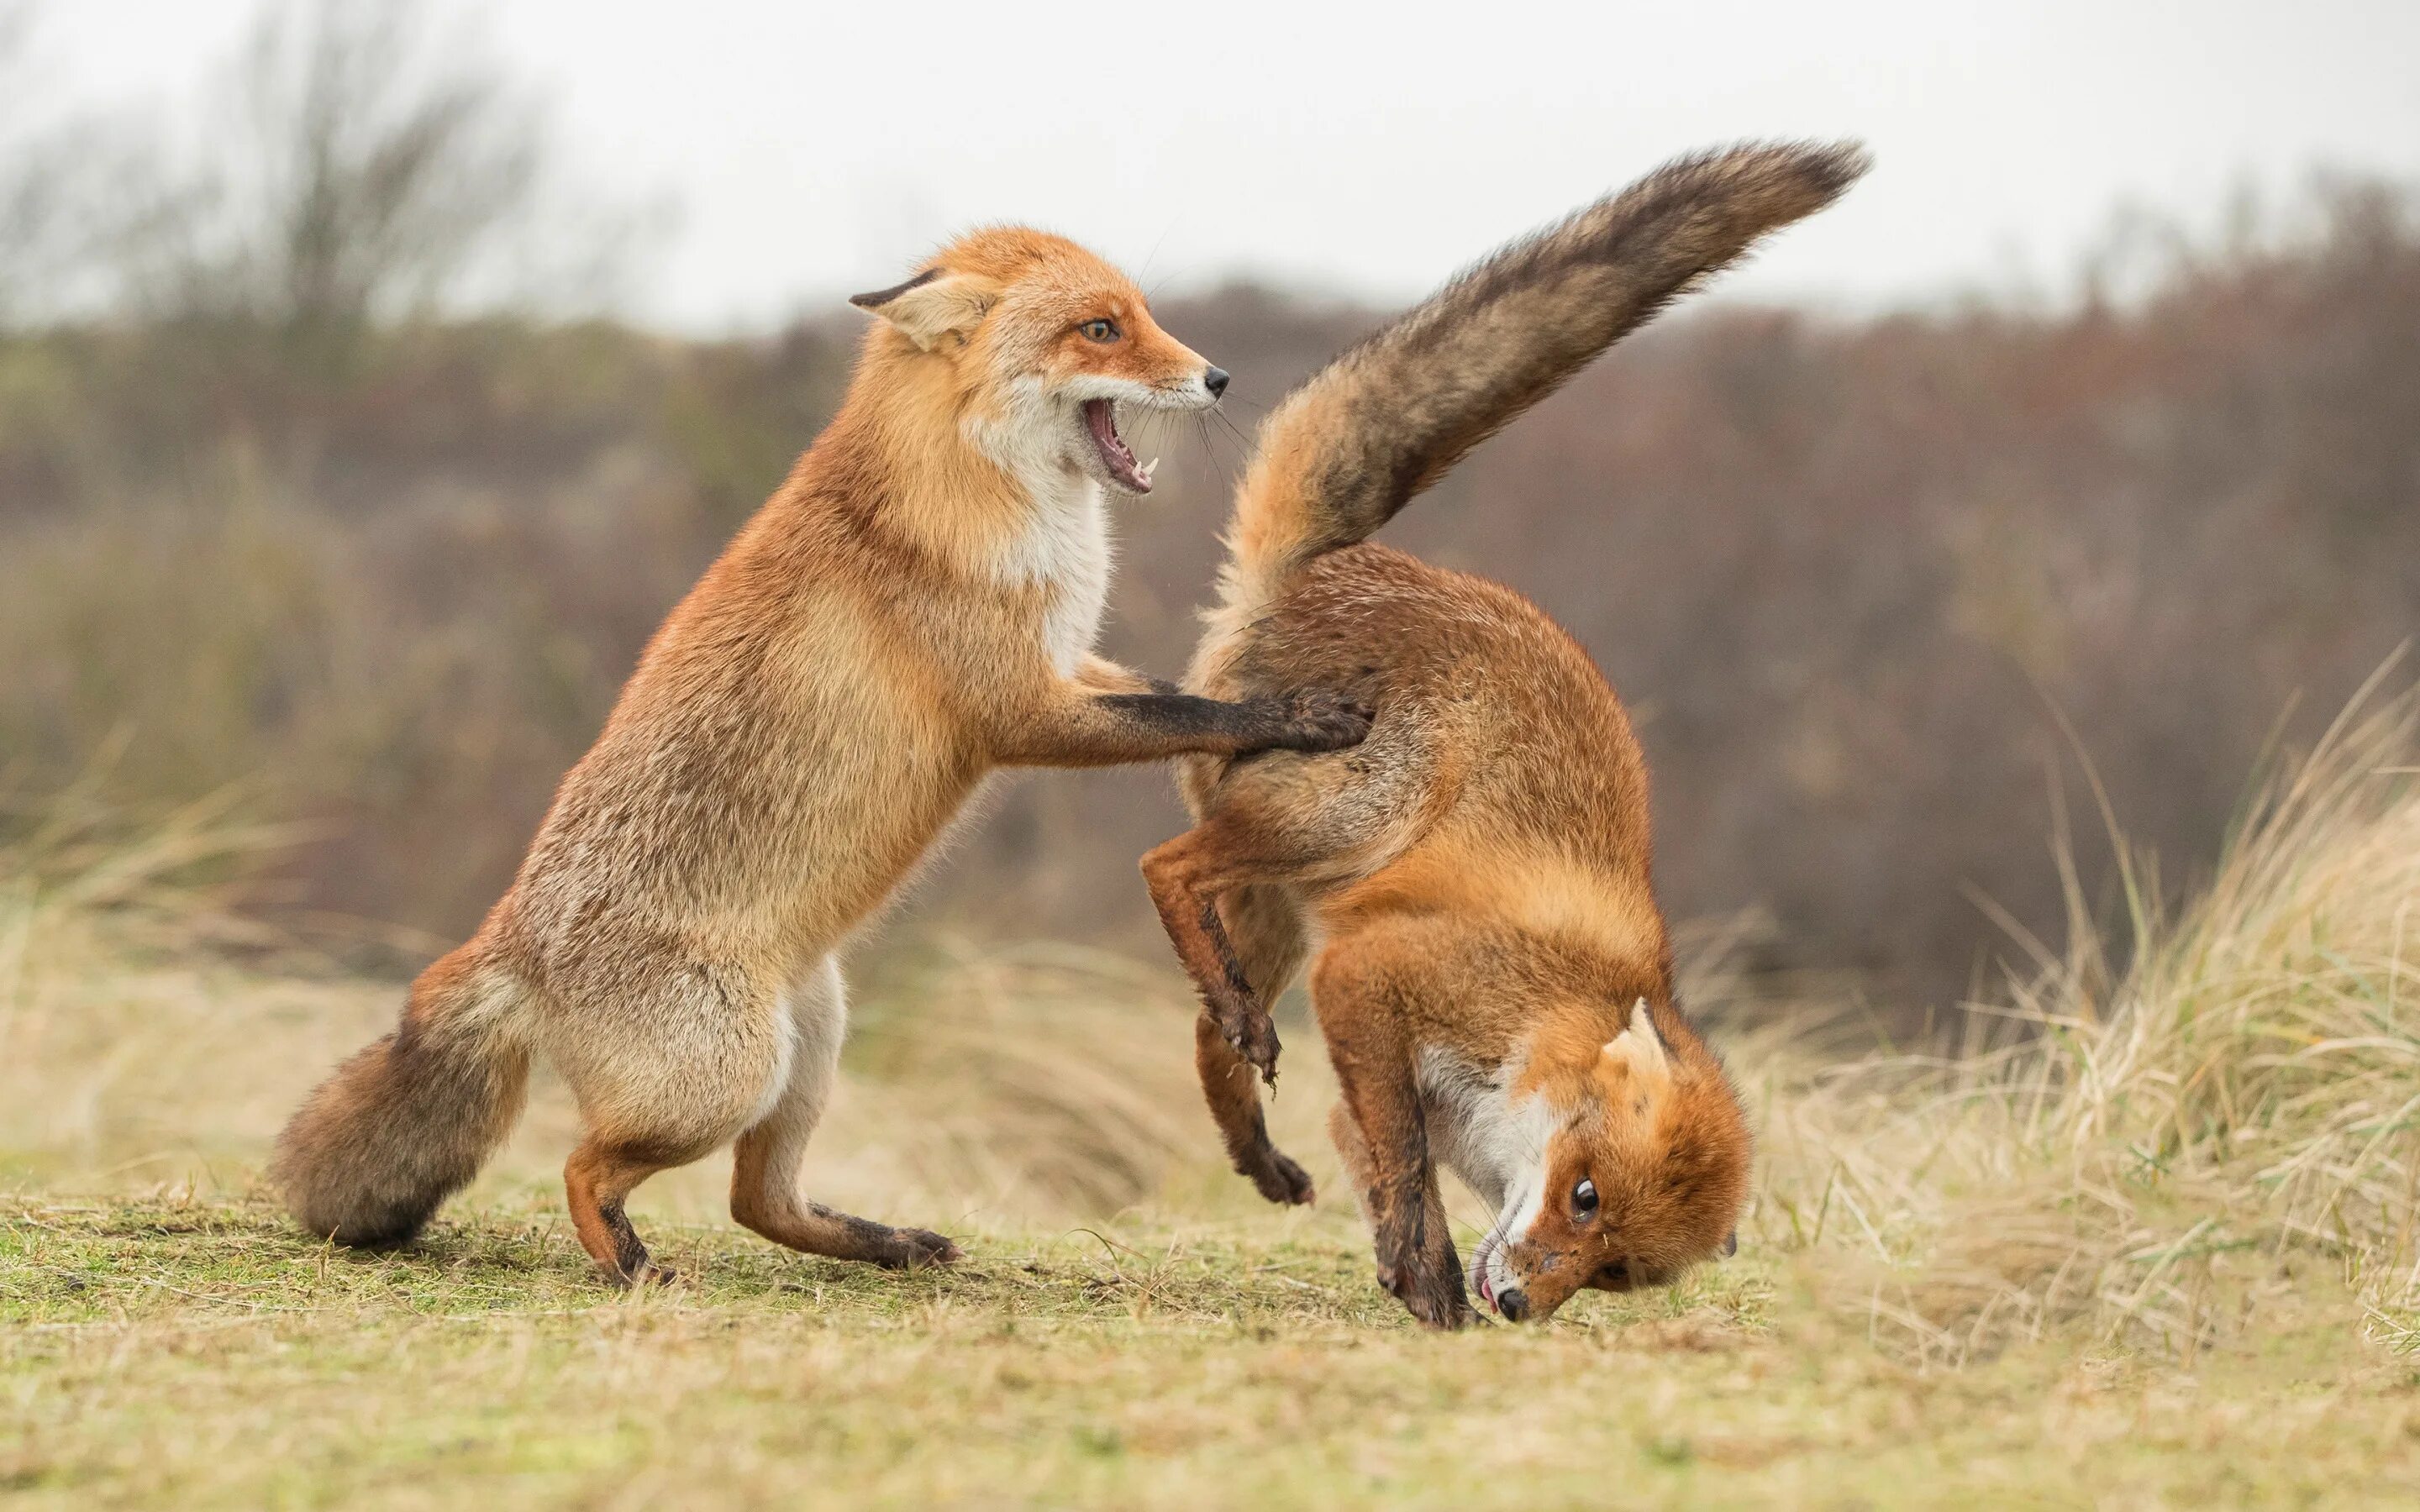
x: 116, y: 931
x: 2148, y: 1149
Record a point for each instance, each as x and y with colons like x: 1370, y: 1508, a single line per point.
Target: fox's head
x: 1639, y: 1167
x: 1043, y: 341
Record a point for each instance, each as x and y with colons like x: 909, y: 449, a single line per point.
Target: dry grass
x: 199, y: 1355
x: 2155, y: 1143
x: 2157, y: 1247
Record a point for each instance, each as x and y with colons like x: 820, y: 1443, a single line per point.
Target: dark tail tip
x: 1836, y: 165
x: 392, y: 1133
x: 1769, y: 183
x: 1830, y: 167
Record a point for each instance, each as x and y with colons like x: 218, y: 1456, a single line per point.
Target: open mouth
x: 1482, y: 1269
x: 1101, y: 422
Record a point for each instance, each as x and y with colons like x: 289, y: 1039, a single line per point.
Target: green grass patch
x: 203, y: 1354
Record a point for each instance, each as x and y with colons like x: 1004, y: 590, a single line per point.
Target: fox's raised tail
x: 1390, y: 417
x: 408, y: 1121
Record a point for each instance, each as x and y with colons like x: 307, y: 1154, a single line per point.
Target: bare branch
x: 375, y: 167
x: 33, y: 173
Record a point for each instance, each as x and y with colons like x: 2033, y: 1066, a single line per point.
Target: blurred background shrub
x: 327, y: 476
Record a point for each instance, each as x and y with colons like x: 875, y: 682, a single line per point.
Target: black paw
x: 645, y: 1274
x: 1432, y: 1294
x: 1440, y: 1306
x: 1249, y: 1033
x: 912, y: 1249
x: 1277, y: 1178
x: 1319, y: 721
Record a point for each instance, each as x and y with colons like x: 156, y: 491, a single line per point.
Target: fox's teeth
x: 1149, y: 467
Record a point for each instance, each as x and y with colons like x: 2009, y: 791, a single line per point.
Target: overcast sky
x: 813, y: 149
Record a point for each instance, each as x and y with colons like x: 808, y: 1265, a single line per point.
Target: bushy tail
x: 1390, y: 417
x: 407, y: 1122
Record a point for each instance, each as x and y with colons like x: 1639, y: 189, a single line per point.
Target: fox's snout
x: 1214, y: 380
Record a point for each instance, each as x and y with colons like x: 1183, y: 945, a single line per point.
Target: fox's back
x: 1523, y: 740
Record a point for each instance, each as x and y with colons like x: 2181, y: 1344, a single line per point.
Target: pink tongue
x: 1102, y: 421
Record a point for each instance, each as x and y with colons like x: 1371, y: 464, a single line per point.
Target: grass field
x: 200, y: 1354
x: 2154, y: 1246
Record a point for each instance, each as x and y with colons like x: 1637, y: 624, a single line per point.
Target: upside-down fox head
x: 1040, y: 341
x: 1637, y: 1171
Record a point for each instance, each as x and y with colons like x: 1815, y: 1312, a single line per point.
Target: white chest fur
x: 1062, y: 546
x: 1480, y: 1133
x: 1065, y: 551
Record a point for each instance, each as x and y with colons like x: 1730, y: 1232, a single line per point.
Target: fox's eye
x: 1099, y: 329
x: 1584, y: 1199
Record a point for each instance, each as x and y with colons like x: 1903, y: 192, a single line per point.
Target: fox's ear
x: 1639, y: 1050
x: 935, y: 308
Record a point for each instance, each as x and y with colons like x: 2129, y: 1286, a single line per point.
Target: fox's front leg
x: 1416, y: 1262
x: 1073, y: 722
x: 1381, y: 1133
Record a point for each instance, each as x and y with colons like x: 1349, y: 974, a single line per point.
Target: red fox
x: 914, y: 606
x: 1493, y: 979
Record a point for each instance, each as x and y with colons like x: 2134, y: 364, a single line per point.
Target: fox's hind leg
x: 1279, y: 818
x: 670, y: 1054
x: 765, y: 1164
x: 1230, y: 892
x: 595, y: 1182
x: 1188, y: 876
x: 1265, y: 925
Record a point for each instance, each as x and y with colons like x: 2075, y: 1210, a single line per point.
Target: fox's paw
x: 1318, y: 720
x: 1276, y: 1177
x: 912, y: 1249
x: 1444, y: 1308
x: 1432, y: 1295
x: 646, y: 1273
x: 1245, y: 1024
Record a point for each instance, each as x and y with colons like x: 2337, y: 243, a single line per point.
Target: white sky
x: 813, y: 149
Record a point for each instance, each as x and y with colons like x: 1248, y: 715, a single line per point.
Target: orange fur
x: 1494, y: 980
x: 912, y: 609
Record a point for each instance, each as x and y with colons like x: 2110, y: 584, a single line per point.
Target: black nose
x: 1514, y: 1305
x: 1214, y: 380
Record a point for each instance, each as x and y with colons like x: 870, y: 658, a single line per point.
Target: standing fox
x: 1494, y: 980
x: 915, y: 607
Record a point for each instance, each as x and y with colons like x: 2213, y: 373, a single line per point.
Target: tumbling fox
x: 1493, y: 979
x: 914, y: 608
